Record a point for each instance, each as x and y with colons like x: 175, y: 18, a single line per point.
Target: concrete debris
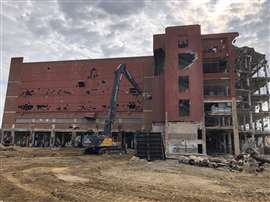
x: 136, y: 159
x: 250, y: 161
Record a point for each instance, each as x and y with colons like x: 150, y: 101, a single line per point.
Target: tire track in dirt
x: 17, y: 183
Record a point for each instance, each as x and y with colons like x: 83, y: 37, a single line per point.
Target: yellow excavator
x: 103, y: 142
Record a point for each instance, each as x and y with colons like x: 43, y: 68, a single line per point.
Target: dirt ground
x: 35, y: 174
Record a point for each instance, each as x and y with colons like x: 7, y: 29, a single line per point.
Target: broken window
x: 131, y: 105
x: 27, y: 93
x: 133, y: 91
x: 213, y: 49
x: 42, y: 107
x: 159, y: 56
x: 81, y: 84
x: 93, y: 73
x: 183, y: 42
x: 67, y: 92
x: 183, y: 83
x: 184, y: 107
x: 185, y: 59
x: 215, y: 67
x: 26, y: 107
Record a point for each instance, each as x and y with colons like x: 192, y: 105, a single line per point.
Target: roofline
x: 218, y: 35
x: 95, y: 59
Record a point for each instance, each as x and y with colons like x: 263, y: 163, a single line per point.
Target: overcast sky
x: 75, y: 29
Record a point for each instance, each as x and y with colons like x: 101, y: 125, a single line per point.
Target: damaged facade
x: 207, y: 96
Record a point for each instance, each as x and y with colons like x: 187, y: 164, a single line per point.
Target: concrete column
x: 52, y: 138
x: 166, y: 127
x: 28, y: 139
x: 32, y: 133
x: 204, y: 140
x: 73, y: 138
x: 263, y: 142
x: 13, y: 137
x: 235, y: 127
x: 230, y: 142
x: 224, y: 140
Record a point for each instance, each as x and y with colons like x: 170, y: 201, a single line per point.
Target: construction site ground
x: 38, y: 174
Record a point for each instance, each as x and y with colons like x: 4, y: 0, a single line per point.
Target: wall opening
x: 199, y: 134
x: 22, y: 138
x: 81, y: 84
x: 133, y: 91
x: 215, y: 67
x: 159, y: 56
x: 183, y: 83
x: 200, y: 151
x: 216, y: 88
x: 184, y: 107
x: 26, y: 107
x: 7, y: 138
x: 185, y: 59
x: 219, y: 141
x: 93, y: 73
x: 183, y: 42
x: 42, y: 139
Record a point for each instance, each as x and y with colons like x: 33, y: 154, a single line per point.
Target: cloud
x: 254, y: 28
x: 121, y: 7
x: 69, y: 29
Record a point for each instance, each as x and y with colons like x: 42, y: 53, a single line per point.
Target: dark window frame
x: 185, y: 59
x: 183, y: 83
x: 183, y: 42
x: 184, y: 107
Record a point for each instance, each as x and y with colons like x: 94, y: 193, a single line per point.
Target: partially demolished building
x: 208, y: 96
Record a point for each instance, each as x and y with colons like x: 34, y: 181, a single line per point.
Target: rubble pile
x: 250, y: 161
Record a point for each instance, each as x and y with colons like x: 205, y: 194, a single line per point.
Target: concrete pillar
x: 32, y: 133
x: 62, y: 139
x: 166, y: 128
x: 73, y: 138
x: 52, y: 138
x: 28, y: 139
x: 13, y: 137
x: 235, y: 127
x: 204, y: 140
x: 230, y: 143
x: 224, y: 140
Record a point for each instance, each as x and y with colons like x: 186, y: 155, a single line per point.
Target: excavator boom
x: 118, y: 74
x: 102, y: 143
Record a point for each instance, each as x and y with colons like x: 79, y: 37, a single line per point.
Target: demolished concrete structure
x: 206, y: 95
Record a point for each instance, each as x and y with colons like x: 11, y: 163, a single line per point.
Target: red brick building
x: 189, y: 75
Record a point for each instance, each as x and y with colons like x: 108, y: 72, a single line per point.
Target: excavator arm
x: 98, y: 143
x: 118, y: 74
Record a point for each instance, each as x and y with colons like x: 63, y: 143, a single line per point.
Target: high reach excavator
x: 103, y: 142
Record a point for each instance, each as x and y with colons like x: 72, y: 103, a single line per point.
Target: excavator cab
x: 98, y: 143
